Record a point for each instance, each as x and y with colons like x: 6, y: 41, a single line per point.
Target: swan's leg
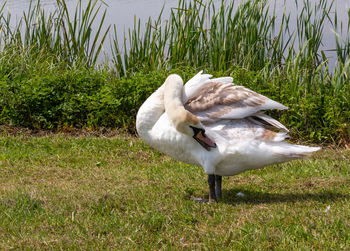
x: 218, y: 181
x: 211, y: 182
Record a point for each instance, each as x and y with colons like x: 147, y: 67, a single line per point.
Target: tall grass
x: 68, y: 37
x: 200, y: 33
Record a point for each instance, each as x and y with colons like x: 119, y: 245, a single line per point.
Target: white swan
x: 217, y: 125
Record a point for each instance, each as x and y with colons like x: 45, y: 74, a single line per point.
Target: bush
x: 55, y: 97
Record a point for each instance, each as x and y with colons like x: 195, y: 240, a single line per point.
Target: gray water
x: 123, y: 12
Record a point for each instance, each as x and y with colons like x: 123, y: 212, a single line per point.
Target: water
x: 120, y: 12
x: 123, y: 12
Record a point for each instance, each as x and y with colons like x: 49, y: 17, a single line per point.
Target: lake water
x: 122, y: 13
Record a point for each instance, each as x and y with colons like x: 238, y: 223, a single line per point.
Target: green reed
x: 69, y: 37
x: 203, y: 34
x: 197, y: 33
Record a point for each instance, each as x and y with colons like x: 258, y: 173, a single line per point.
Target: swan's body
x: 231, y: 117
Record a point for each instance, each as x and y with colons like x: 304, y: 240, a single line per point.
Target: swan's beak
x: 204, y: 140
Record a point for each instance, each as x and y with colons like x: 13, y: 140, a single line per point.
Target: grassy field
x: 60, y: 192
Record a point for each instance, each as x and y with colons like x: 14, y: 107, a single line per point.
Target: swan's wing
x: 216, y: 100
x: 266, y: 121
x: 194, y: 84
x: 243, y: 130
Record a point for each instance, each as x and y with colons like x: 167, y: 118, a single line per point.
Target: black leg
x: 218, y: 181
x: 211, y: 182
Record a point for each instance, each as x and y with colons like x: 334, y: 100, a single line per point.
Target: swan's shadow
x: 256, y: 197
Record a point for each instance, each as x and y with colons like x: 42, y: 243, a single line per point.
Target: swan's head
x: 191, y: 126
x: 184, y: 121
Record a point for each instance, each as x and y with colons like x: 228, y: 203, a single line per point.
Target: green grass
x: 60, y: 192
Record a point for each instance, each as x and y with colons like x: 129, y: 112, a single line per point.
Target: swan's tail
x: 291, y: 151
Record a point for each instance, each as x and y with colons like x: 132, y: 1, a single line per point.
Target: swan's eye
x: 197, y: 131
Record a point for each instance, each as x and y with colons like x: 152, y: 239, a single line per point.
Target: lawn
x: 75, y: 192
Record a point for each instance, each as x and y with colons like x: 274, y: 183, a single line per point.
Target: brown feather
x: 218, y: 94
x: 268, y: 135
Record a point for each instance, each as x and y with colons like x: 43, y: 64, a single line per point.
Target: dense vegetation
x: 49, y: 76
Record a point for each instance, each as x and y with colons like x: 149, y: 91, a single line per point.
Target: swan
x: 215, y: 124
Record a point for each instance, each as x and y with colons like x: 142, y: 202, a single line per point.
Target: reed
x: 202, y: 33
x: 68, y: 37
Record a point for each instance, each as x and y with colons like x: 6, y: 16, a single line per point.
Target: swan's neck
x: 149, y: 113
x: 167, y: 98
x: 173, y: 96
